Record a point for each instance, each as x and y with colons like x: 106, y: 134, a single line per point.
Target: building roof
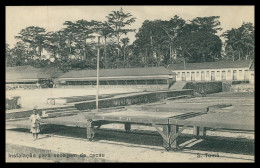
x: 21, y: 73
x: 30, y: 74
x: 150, y: 71
x: 212, y: 65
x: 27, y: 68
x: 252, y: 67
x: 50, y: 71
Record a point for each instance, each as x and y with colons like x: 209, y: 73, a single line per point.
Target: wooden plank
x: 187, y: 142
x: 194, y: 143
x: 219, y: 120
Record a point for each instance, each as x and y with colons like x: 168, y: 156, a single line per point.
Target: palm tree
x: 106, y: 31
x: 117, y: 21
x: 125, y: 42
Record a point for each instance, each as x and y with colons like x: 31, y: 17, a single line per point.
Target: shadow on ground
x: 150, y: 138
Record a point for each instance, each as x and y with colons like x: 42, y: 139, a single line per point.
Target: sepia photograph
x: 128, y: 83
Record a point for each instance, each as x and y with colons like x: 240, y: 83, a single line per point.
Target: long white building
x: 215, y: 71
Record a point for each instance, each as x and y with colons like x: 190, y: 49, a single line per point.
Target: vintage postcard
x: 130, y: 83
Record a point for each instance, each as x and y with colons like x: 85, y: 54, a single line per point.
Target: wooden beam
x: 127, y: 127
x: 173, y: 143
x: 202, y: 131
x: 166, y: 131
x: 196, y: 130
x: 160, y: 132
x: 174, y: 136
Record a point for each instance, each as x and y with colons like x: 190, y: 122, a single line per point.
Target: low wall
x: 20, y: 86
x: 65, y: 100
x: 226, y: 86
x: 144, y: 87
x: 25, y: 113
x: 133, y: 99
x: 204, y: 87
x: 20, y: 114
x: 237, y: 87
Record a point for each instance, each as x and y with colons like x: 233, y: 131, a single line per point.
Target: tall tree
x: 118, y: 20
x: 52, y: 44
x: 173, y: 28
x: 21, y: 54
x: 239, y: 43
x: 104, y: 29
x: 81, y: 30
x: 8, y: 55
x: 192, y: 40
x: 150, y: 39
x: 209, y: 24
x: 125, y: 42
x: 35, y: 37
x: 199, y: 47
x: 177, y: 38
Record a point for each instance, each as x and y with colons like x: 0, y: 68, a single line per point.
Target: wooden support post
x: 202, y: 131
x: 166, y: 132
x: 196, y: 130
x: 90, y: 130
x: 127, y: 127
x: 173, y: 143
x: 169, y: 131
x: 160, y: 132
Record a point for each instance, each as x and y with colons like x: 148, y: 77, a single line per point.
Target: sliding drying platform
x: 173, y: 123
x: 169, y: 118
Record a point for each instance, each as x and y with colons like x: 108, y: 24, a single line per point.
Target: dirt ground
x: 136, y: 146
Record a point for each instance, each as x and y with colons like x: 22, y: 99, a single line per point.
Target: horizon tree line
x: 157, y: 43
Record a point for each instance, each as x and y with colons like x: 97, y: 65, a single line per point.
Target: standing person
x: 51, y: 84
x: 37, y: 85
x: 35, y: 120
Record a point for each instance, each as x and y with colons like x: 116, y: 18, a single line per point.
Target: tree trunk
x: 158, y: 55
x: 171, y: 53
x: 233, y: 55
x: 247, y: 53
x: 70, y: 46
x: 105, y: 51
x: 39, y: 50
x: 175, y: 53
x: 35, y: 51
x: 124, y: 52
x: 54, y: 53
x: 85, y: 53
x: 151, y: 38
x: 239, y: 55
x: 146, y: 55
x: 118, y: 52
x: 184, y: 62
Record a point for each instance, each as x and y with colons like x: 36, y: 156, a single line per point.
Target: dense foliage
x: 240, y: 43
x: 158, y: 43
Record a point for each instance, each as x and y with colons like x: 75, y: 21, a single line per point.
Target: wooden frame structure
x: 169, y: 119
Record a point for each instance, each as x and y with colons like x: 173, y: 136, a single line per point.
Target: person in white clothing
x: 35, y: 120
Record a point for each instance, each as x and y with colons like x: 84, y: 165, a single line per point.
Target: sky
x: 52, y: 17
